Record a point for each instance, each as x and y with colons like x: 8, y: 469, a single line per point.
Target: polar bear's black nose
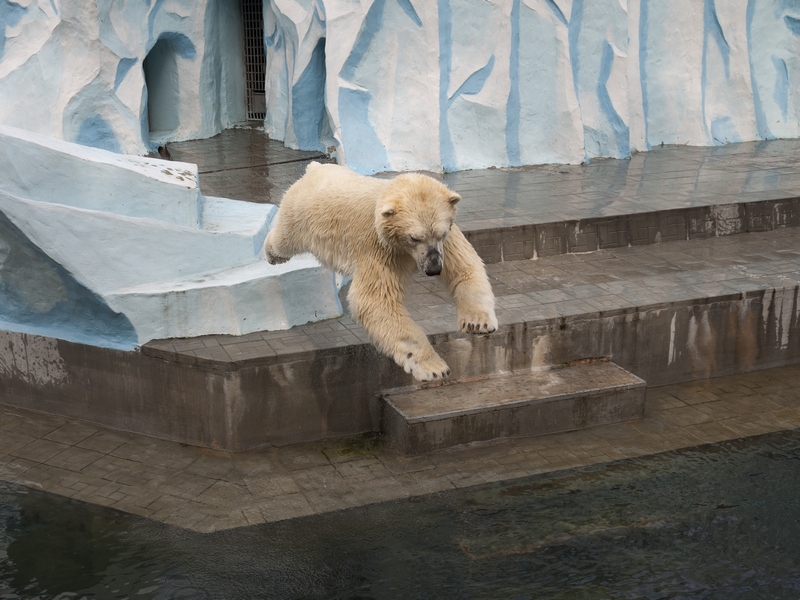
x: 433, y: 262
x: 433, y: 269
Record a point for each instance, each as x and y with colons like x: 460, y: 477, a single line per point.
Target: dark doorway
x: 163, y: 92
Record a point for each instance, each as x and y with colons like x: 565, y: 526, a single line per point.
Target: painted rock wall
x: 460, y: 84
x: 74, y: 70
x: 407, y: 84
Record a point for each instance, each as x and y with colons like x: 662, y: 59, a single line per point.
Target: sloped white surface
x: 49, y: 170
x: 254, y: 297
x: 167, y: 277
x: 106, y: 251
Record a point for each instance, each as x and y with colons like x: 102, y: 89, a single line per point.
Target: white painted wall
x: 74, y: 70
x: 407, y: 84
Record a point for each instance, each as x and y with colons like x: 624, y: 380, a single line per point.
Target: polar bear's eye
x: 416, y: 240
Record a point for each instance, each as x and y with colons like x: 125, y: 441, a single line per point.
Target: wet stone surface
x: 206, y: 490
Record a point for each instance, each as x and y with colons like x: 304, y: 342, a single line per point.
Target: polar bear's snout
x: 433, y: 262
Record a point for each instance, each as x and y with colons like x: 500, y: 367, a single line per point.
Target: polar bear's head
x: 414, y: 215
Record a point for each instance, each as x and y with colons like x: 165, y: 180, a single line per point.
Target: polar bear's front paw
x: 430, y: 369
x: 275, y: 260
x: 477, y: 321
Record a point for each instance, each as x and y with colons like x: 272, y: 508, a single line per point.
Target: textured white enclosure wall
x: 412, y: 84
x: 73, y: 70
x: 294, y: 41
x: 461, y: 84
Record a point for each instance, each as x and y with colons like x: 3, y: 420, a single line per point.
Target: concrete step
x: 237, y: 300
x: 516, y: 405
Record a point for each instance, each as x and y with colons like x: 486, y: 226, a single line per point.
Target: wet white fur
x: 362, y: 227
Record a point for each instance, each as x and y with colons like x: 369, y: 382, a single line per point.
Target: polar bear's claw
x: 485, y: 324
x: 431, y: 369
x: 275, y: 260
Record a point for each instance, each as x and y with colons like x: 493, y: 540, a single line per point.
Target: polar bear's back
x: 329, y: 212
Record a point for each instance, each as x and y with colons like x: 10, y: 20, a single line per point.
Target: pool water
x: 720, y: 521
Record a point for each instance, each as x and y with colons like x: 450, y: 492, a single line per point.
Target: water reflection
x: 722, y: 521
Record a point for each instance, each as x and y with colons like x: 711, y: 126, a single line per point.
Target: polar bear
x: 377, y: 231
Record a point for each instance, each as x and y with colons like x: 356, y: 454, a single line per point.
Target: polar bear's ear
x: 454, y: 199
x: 387, y: 210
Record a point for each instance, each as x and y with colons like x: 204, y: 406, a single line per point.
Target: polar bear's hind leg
x: 273, y: 246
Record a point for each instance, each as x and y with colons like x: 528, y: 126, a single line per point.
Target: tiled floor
x: 665, y: 178
x: 244, y: 164
x: 208, y: 491
x: 559, y: 286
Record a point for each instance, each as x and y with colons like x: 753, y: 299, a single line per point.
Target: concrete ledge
x: 523, y: 242
x: 516, y: 405
x: 278, y: 399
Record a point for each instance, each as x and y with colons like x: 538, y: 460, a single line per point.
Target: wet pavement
x: 607, y: 282
x: 205, y: 490
x: 245, y: 165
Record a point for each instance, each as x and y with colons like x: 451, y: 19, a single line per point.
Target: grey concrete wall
x: 522, y: 242
x: 315, y: 395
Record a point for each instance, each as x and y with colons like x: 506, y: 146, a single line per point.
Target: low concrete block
x: 560, y: 399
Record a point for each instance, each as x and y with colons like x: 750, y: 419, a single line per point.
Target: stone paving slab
x: 432, y: 417
x: 663, y: 179
x: 551, y: 289
x: 671, y: 192
x: 244, y: 164
x: 207, y: 491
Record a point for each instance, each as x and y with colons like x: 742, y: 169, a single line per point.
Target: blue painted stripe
x: 474, y: 83
x: 96, y: 132
x: 151, y: 18
x: 556, y: 11
x: 712, y: 29
x: 573, y: 35
x: 781, y: 94
x: 643, y: 23
x: 10, y: 15
x: 369, y: 28
x: 621, y: 130
x: 446, y: 149
x: 365, y: 152
x: 408, y: 8
x: 123, y: 67
x: 793, y: 24
x: 513, y: 105
x: 308, y: 101
x: 761, y: 117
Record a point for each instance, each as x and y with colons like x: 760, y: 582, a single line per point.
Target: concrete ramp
x: 515, y: 405
x: 136, y: 236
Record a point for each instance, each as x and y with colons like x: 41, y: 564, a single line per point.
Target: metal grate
x: 254, y: 59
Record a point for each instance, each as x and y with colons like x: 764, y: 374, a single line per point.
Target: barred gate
x: 254, y: 59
